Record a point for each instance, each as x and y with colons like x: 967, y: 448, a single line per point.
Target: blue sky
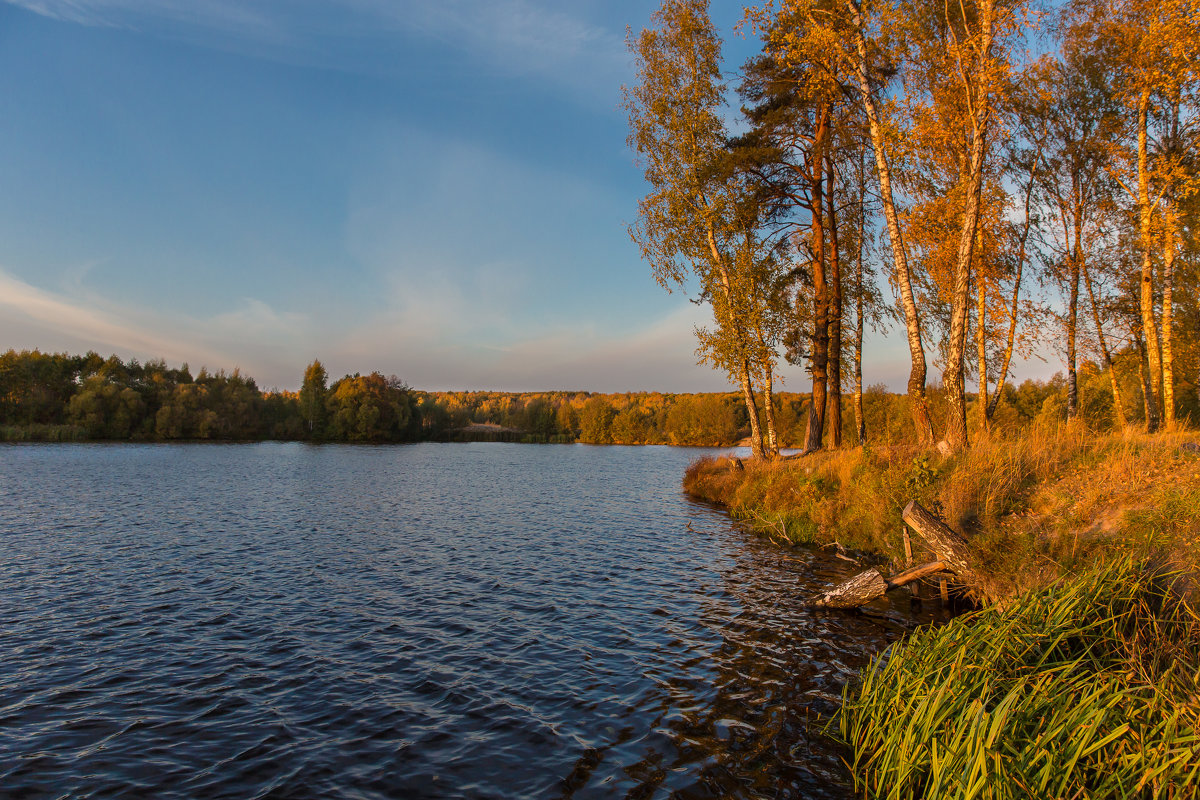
x: 438, y: 190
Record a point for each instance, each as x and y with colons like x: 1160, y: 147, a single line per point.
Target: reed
x: 1085, y: 689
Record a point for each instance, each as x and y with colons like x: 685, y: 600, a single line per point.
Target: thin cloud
x: 136, y: 14
x: 254, y: 317
x: 516, y: 33
x: 659, y: 356
x: 252, y: 335
x: 433, y: 343
x: 83, y: 322
x: 80, y: 13
x: 514, y: 37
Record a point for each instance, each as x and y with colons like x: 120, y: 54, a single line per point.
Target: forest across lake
x: 62, y: 397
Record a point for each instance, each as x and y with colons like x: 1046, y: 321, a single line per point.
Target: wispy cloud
x: 215, y: 15
x: 418, y: 341
x: 422, y: 341
x: 80, y: 322
x: 659, y: 355
x: 467, y: 236
x: 251, y: 335
x: 520, y: 34
x: 514, y: 37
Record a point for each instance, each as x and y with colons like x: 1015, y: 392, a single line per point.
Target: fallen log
x: 915, y: 574
x: 949, y: 548
x: 946, y: 545
x: 867, y: 586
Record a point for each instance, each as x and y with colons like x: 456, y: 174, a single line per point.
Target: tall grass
x: 1086, y: 689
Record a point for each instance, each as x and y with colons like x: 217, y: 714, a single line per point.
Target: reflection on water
x: 486, y: 620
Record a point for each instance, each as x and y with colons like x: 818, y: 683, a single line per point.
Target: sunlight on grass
x: 1084, y: 689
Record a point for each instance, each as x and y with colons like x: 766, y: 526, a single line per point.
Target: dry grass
x: 1033, y: 506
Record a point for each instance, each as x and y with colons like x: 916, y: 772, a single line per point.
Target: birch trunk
x: 1145, y: 211
x: 1016, y: 296
x: 1144, y: 377
x: 912, y: 319
x: 1072, y: 327
x: 952, y: 376
x: 1168, y: 355
x: 756, y: 440
x: 769, y: 413
x: 1118, y: 404
x: 981, y: 352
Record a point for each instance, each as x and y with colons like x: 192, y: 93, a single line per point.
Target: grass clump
x: 1085, y: 689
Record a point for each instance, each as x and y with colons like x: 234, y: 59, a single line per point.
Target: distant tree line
x: 55, y: 396
x: 909, y: 161
x: 60, y: 397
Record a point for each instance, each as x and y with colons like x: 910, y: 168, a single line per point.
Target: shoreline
x: 1087, y: 548
x: 484, y: 439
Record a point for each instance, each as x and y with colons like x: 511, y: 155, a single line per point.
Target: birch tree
x: 873, y: 70
x: 693, y: 221
x: 1074, y: 187
x: 959, y: 69
x: 1151, y: 52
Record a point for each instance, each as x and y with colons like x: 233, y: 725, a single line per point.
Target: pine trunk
x: 860, y: 424
x: 833, y: 405
x: 819, y: 362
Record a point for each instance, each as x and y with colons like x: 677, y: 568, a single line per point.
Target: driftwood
x: 912, y: 587
x: 867, y: 586
x: 915, y: 574
x: 946, y: 545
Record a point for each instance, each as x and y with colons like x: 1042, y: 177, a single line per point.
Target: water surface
x: 481, y: 620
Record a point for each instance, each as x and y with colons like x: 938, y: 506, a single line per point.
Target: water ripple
x: 286, y: 621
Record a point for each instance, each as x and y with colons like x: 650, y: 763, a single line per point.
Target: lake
x: 476, y: 620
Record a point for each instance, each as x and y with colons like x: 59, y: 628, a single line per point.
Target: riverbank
x: 1032, y: 508
x: 1081, y: 677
